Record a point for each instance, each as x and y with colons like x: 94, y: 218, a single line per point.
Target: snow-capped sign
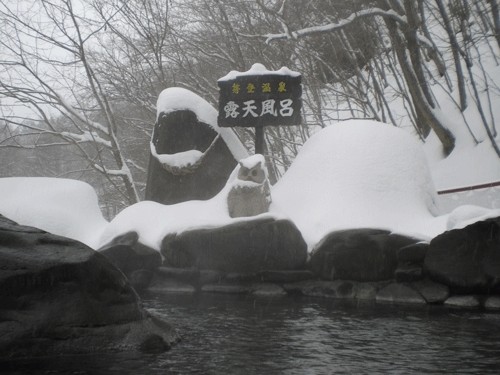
x: 260, y: 97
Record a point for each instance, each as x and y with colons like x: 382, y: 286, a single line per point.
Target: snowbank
x: 355, y: 174
x: 64, y: 207
x: 358, y: 174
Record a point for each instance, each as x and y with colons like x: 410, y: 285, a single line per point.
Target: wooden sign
x: 260, y: 97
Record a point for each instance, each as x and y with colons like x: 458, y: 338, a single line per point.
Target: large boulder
x: 191, y: 157
x: 57, y: 296
x: 468, y: 259
x: 358, y: 254
x: 245, y: 246
x: 135, y: 260
x: 128, y: 254
x: 399, y: 293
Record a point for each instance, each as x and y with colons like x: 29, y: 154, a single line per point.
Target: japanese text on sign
x: 252, y: 108
x: 260, y: 100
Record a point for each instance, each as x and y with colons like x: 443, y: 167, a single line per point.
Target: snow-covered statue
x: 191, y: 157
x: 249, y: 194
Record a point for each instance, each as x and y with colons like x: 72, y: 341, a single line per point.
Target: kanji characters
x: 249, y: 108
x: 250, y: 88
x: 260, y: 100
x: 252, y: 108
x: 268, y: 107
x: 235, y: 88
x: 286, y: 109
x: 231, y: 109
x: 282, y: 86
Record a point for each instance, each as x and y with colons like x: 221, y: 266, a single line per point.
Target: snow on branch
x: 72, y: 111
x: 112, y: 172
x: 86, y: 136
x: 336, y: 26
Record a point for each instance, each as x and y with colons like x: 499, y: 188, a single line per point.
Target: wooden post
x: 259, y: 140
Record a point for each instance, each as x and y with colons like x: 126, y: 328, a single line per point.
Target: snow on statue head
x: 249, y: 194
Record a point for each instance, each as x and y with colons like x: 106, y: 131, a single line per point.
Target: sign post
x: 258, y: 98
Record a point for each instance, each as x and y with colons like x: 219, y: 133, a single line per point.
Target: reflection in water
x: 248, y: 335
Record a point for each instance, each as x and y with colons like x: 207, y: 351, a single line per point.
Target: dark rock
x: 272, y: 276
x: 335, y: 289
x: 140, y: 279
x: 243, y: 247
x: 399, y: 294
x: 366, y: 291
x: 210, y: 276
x: 468, y: 259
x: 171, y: 286
x: 492, y: 303
x: 59, y: 296
x: 128, y: 254
x: 268, y: 290
x: 464, y: 302
x: 413, y: 254
x: 154, y: 344
x: 226, y: 288
x: 431, y: 291
x: 321, y: 288
x: 189, y: 275
x: 408, y: 272
x: 238, y: 277
x: 180, y: 131
x: 183, y: 280
x: 358, y: 254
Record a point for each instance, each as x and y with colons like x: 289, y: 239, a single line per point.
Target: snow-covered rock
x: 359, y: 254
x: 64, y: 207
x: 467, y: 259
x: 59, y: 297
x: 244, y: 247
x: 465, y: 215
x: 359, y: 174
x: 153, y: 221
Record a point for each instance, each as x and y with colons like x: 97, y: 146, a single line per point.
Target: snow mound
x: 177, y: 98
x: 64, y: 207
x: 358, y: 174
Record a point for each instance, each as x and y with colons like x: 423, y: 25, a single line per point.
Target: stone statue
x: 191, y: 157
x: 250, y: 194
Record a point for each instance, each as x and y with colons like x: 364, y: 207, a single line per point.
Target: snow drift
x: 64, y: 207
x: 358, y: 174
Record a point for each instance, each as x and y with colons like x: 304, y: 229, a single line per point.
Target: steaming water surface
x: 248, y: 335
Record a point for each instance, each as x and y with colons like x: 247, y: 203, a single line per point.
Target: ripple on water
x: 247, y: 335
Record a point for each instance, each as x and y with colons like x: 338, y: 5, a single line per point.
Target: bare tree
x: 402, y: 30
x: 48, y: 68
